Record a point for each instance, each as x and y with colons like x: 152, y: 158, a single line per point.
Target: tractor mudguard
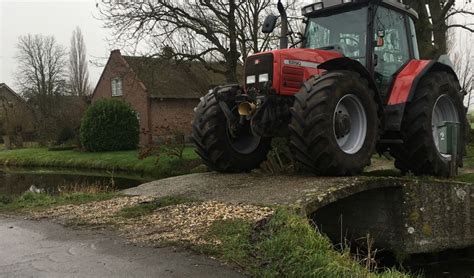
x: 405, y: 84
x: 345, y: 63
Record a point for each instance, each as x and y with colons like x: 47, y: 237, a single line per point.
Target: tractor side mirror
x: 269, y: 24
x: 380, y: 38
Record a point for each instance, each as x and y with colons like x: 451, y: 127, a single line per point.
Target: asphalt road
x: 42, y: 249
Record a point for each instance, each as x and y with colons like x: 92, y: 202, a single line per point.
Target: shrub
x: 65, y: 135
x: 109, y: 125
x: 5, y: 200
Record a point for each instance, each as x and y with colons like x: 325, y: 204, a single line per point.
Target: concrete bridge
x: 402, y: 214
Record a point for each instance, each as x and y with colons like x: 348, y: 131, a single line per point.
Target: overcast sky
x: 53, y: 17
x: 57, y: 18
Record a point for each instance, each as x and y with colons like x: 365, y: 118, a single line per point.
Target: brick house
x: 16, y: 117
x: 163, y: 92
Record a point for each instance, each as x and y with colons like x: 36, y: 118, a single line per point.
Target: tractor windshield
x: 345, y: 32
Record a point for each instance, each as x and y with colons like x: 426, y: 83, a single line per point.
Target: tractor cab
x: 378, y: 34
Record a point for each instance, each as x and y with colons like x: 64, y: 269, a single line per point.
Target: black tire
x: 312, y: 132
x: 419, y: 154
x: 214, y: 144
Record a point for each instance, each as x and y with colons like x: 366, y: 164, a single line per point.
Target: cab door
x: 390, y: 57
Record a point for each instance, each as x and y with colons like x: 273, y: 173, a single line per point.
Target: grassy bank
x: 32, y: 201
x: 286, y: 246
x: 109, y: 161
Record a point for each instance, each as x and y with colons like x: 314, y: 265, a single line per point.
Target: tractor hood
x: 284, y: 70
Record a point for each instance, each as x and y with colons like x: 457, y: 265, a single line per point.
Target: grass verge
x: 469, y: 178
x: 126, y: 161
x: 30, y: 200
x: 148, y: 208
x: 286, y: 246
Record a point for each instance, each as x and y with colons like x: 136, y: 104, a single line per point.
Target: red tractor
x: 355, y: 88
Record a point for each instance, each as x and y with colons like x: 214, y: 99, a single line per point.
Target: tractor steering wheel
x: 348, y: 47
x: 351, y: 39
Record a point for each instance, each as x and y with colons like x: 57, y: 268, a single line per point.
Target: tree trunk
x: 431, y: 32
x: 232, y: 54
x: 422, y: 26
x: 19, y: 140
x: 439, y: 28
x: 6, y: 142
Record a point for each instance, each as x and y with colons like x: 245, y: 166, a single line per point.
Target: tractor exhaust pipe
x: 247, y: 108
x: 284, y: 26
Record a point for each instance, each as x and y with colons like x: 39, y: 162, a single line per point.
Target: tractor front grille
x: 259, y: 68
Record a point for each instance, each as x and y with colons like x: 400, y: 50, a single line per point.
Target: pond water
x: 446, y: 264
x: 15, y: 181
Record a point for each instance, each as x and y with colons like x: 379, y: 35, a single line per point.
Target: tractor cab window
x: 394, y: 53
x: 345, y: 32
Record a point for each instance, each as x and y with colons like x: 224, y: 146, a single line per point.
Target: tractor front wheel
x: 436, y: 100
x: 335, y: 124
x: 224, y: 148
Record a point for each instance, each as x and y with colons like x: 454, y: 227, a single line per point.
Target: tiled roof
x: 3, y: 85
x: 174, y: 79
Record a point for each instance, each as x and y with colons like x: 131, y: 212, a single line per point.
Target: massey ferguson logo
x: 301, y: 64
x: 293, y: 62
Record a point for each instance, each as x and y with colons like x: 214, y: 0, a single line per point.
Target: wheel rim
x: 350, y: 124
x: 443, y: 111
x: 243, y: 140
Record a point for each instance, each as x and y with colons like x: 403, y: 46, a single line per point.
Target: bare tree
x: 461, y: 52
x: 41, y: 65
x: 250, y: 21
x: 463, y: 65
x: 78, y: 68
x: 434, y: 23
x: 41, y: 77
x: 208, y: 31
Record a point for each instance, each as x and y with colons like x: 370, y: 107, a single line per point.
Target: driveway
x: 42, y: 249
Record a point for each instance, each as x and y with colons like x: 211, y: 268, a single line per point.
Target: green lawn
x: 110, y: 161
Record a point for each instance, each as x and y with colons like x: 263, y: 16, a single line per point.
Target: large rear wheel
x: 224, y: 148
x: 436, y: 100
x: 335, y: 124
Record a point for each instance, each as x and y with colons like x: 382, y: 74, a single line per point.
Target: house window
x: 117, y: 87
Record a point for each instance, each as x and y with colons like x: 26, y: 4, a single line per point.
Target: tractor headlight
x: 263, y: 78
x: 308, y: 10
x: 317, y: 5
x: 251, y: 79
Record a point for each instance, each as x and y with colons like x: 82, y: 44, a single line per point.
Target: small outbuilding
x: 164, y: 92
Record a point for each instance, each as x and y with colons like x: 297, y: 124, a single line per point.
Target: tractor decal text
x: 301, y: 63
